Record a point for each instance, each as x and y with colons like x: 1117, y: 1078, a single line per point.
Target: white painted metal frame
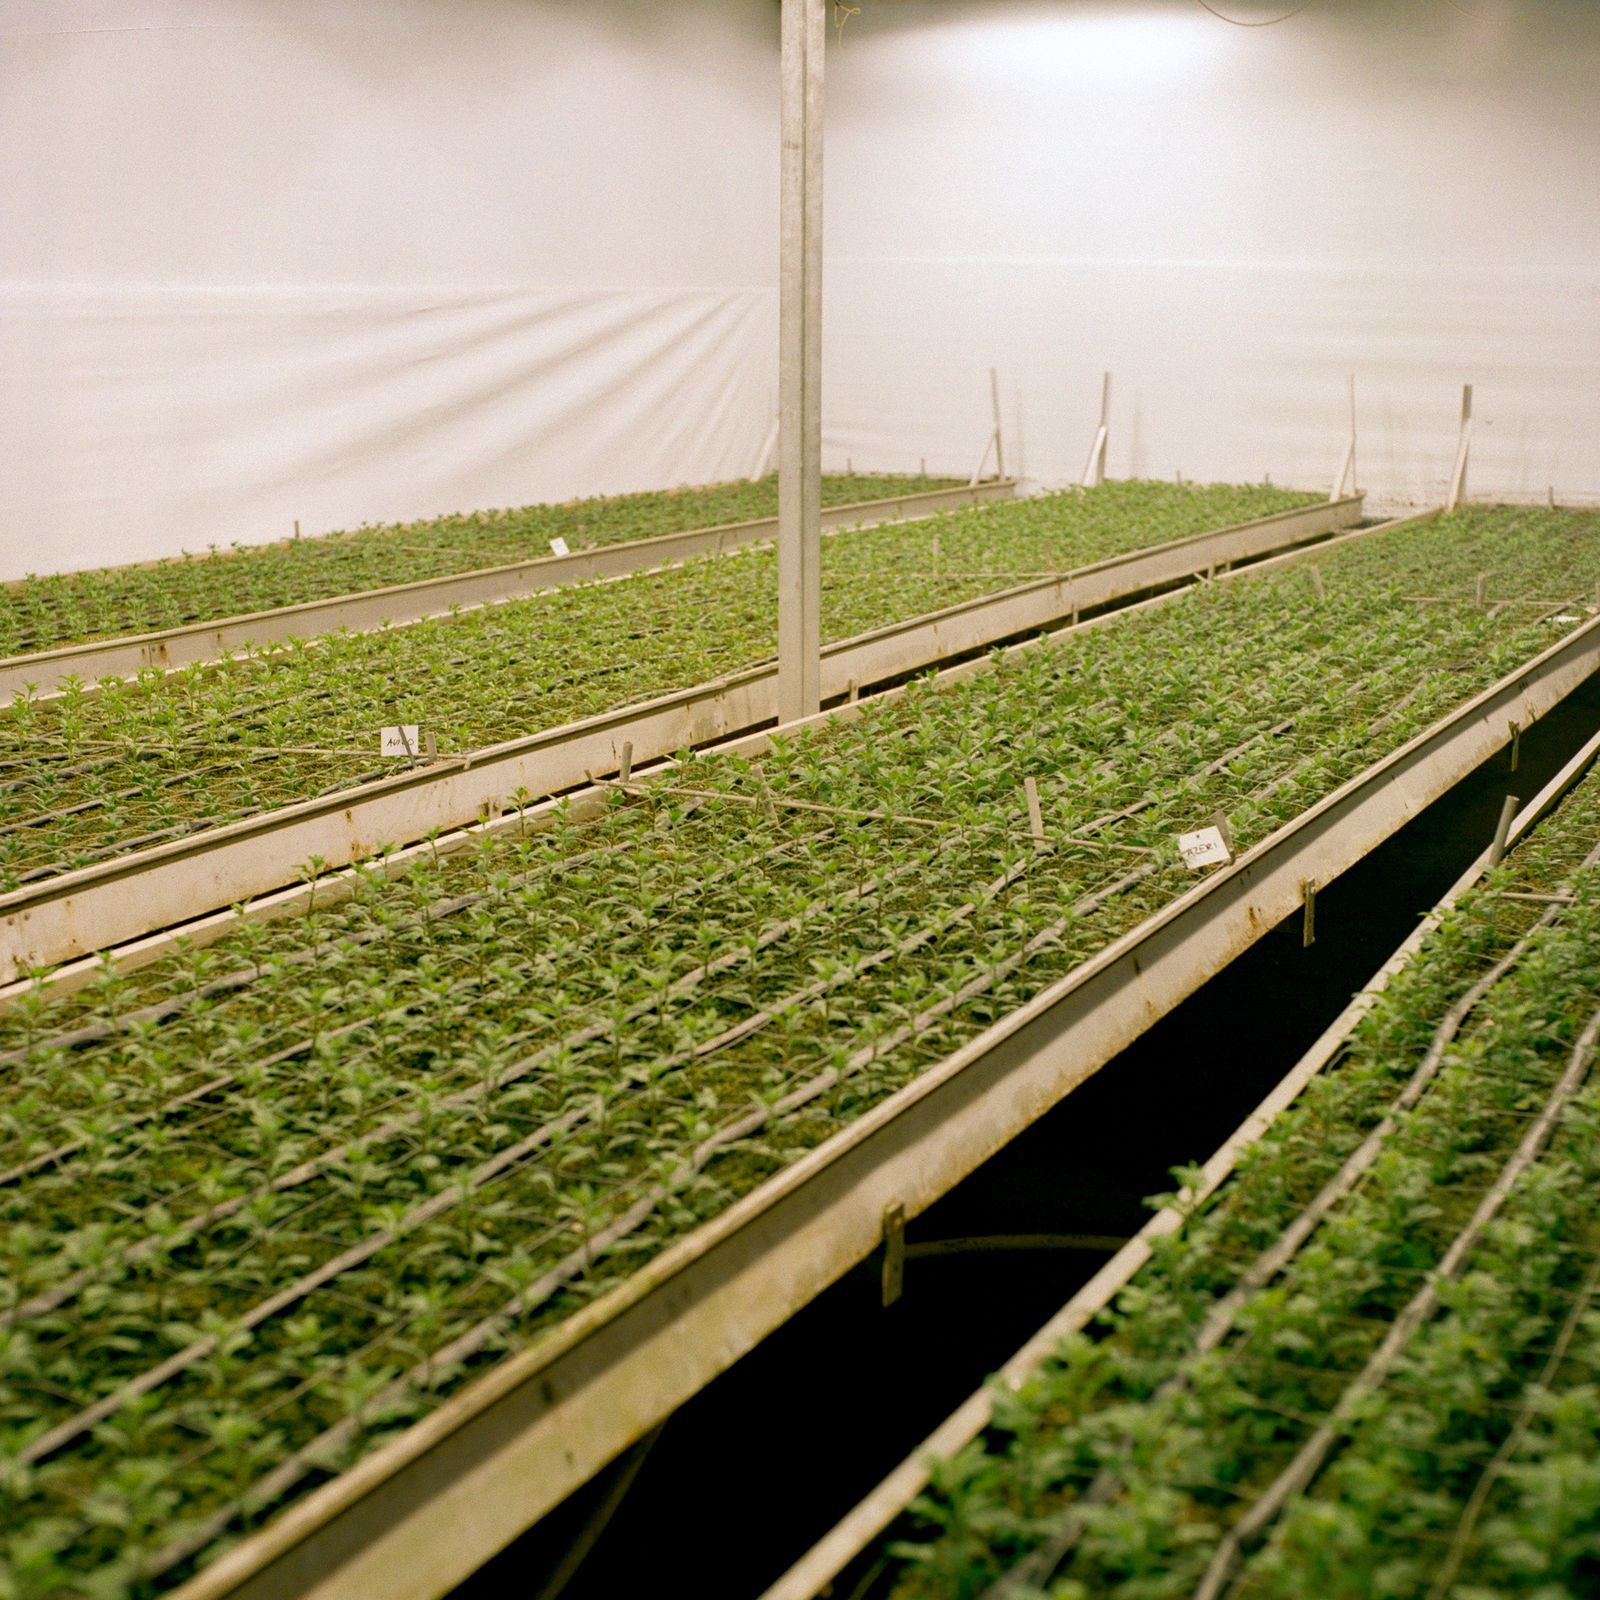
x: 874, y: 1514
x: 804, y: 30
x: 125, y: 898
x: 407, y: 603
x: 419, y: 1514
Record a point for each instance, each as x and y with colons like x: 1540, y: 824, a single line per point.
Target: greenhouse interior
x: 800, y: 799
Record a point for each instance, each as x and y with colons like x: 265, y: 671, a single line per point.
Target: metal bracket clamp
x: 894, y: 1252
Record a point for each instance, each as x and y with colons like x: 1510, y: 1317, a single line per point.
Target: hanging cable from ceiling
x: 1477, y: 16
x: 1266, y: 22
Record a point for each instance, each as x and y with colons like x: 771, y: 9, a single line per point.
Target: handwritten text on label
x: 1205, y: 847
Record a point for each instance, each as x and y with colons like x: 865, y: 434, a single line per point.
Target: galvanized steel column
x: 800, y: 363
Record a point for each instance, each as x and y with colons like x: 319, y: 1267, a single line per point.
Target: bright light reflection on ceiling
x: 1097, y: 46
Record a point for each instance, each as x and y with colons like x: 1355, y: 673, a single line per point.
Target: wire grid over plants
x: 1368, y: 1366
x: 265, y: 1202
x: 92, y: 773
x: 71, y: 608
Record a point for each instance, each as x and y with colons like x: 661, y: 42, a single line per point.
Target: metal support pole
x: 800, y: 363
x: 1458, y: 476
x: 1094, y: 471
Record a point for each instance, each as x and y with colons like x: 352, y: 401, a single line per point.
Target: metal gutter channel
x: 79, y: 912
x: 431, y: 597
x: 876, y: 1512
x: 417, y: 1516
x: 580, y: 804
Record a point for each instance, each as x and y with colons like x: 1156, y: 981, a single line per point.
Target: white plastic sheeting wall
x: 1231, y: 219
x: 359, y: 260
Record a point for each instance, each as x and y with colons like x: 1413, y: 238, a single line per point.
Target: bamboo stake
x: 1030, y: 790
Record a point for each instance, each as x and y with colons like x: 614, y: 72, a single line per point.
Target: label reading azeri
x: 400, y: 741
x: 558, y: 546
x: 1205, y: 847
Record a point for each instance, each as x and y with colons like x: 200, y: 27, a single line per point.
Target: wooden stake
x: 1347, y: 467
x: 1483, y: 590
x: 994, y: 399
x: 1094, y: 469
x: 297, y: 527
x: 993, y: 441
x: 1458, y: 474
x: 430, y: 744
x: 1308, y: 931
x: 1030, y: 790
x: 1219, y: 821
x: 1516, y: 744
x: 1317, y: 583
x: 625, y: 767
x: 1502, y: 830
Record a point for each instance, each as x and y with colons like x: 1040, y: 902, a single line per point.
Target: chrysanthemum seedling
x: 46, y: 612
x: 638, y: 1010
x: 293, y: 719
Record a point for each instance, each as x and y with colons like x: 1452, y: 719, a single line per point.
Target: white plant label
x: 558, y: 546
x: 1205, y: 847
x: 402, y: 741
